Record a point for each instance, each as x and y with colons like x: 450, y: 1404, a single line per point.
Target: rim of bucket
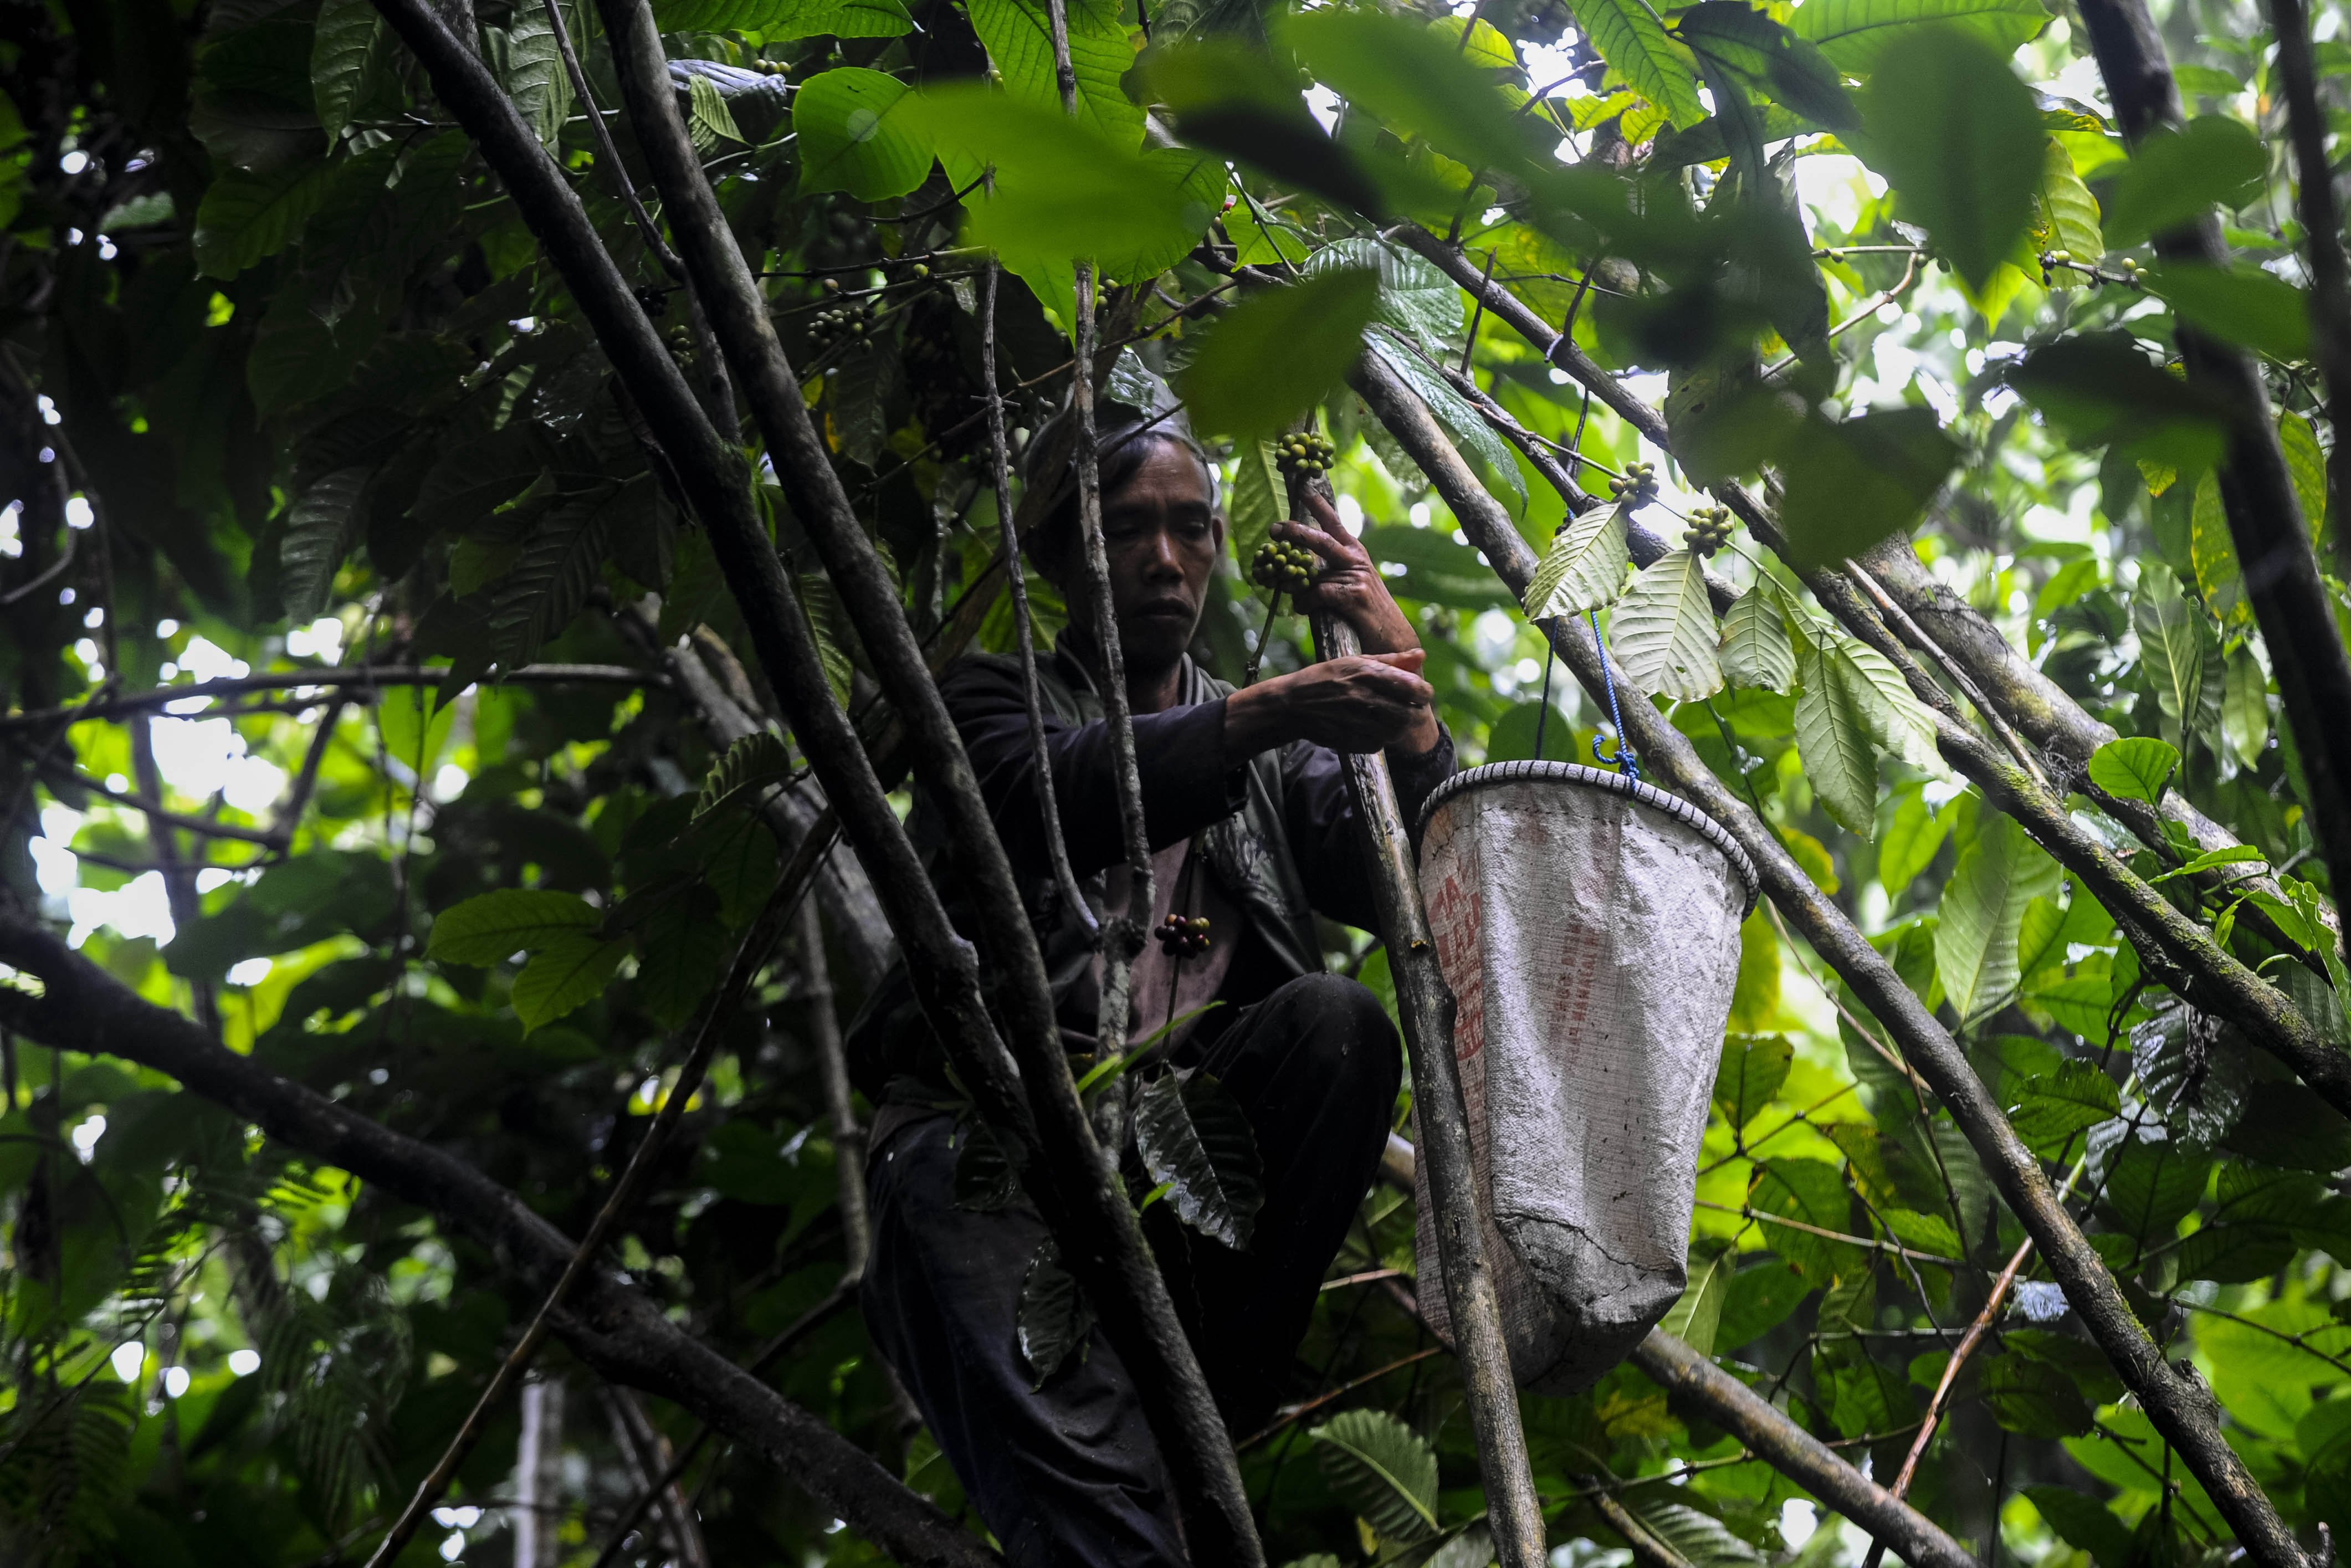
x: 1673, y: 806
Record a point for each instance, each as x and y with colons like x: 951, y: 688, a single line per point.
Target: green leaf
x: 2136, y: 767
x: 2068, y: 216
x: 2151, y: 1183
x: 534, y: 75
x: 780, y: 20
x: 2246, y: 707
x: 2232, y: 854
x: 750, y: 765
x: 1898, y: 722
x: 1760, y: 1300
x: 1774, y: 62
x: 2174, y: 177
x: 1959, y: 137
x: 414, y: 725
x: 1415, y: 82
x: 1983, y: 905
x: 1695, y: 1317
x: 736, y: 855
x: 708, y: 121
x: 494, y: 927
x: 1584, y: 568
x: 1833, y: 736
x: 1634, y: 43
x: 2242, y: 304
x: 1019, y: 39
x: 1055, y: 1316
x: 1663, y: 632
x: 1911, y: 842
x: 1812, y: 1191
x: 2085, y: 1523
x: 681, y: 954
x: 1259, y: 499
x: 2101, y: 389
x: 247, y: 216
x: 318, y: 528
x: 1194, y: 1137
x: 1384, y: 1471
x: 2040, y: 937
x: 1469, y: 432
x: 1437, y: 570
x: 1853, y: 483
x: 564, y: 976
x: 1854, y: 33
x: 340, y: 51
x: 2174, y: 639
x: 1755, y: 647
x: 2308, y: 463
x: 2033, y: 1398
x: 2051, y: 1108
x: 561, y: 561
x: 1279, y: 353
x: 1753, y: 1067
x: 852, y: 139
x: 2214, y: 555
x: 1417, y: 297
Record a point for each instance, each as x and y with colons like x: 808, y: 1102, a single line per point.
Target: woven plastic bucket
x: 1588, y: 925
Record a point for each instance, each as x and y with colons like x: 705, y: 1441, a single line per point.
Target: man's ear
x: 1217, y: 526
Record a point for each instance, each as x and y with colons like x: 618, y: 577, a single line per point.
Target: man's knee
x: 1343, y: 1028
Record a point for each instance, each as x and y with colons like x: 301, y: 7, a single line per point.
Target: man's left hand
x: 1349, y: 585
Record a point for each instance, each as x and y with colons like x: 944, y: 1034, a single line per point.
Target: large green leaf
x: 1415, y: 82
x: 2242, y: 304
x: 1898, y: 722
x: 2175, y: 639
x: 1054, y: 1317
x: 779, y: 20
x: 1912, y: 840
x: 494, y: 927
x: 1699, y: 1313
x: 1279, y: 353
x: 1417, y: 297
x: 1385, y: 1471
x: 1774, y: 62
x: 1584, y: 568
x: 342, y: 50
x: 1663, y: 632
x: 1753, y: 1067
x: 2033, y: 1398
x: 570, y: 971
x: 1959, y: 137
x: 1983, y: 904
x: 2246, y: 707
x: 318, y: 528
x: 2136, y: 767
x: 1437, y: 570
x: 2084, y: 1522
x: 1019, y: 39
x: 2068, y: 215
x: 1854, y: 33
x: 1469, y: 432
x: 1194, y: 1137
x: 1760, y: 1300
x: 749, y: 765
x: 1814, y: 1193
x: 1259, y: 499
x: 2306, y: 461
x: 2214, y: 555
x: 2101, y: 388
x: 2051, y: 1109
x: 1852, y: 483
x: 2175, y: 176
x: 852, y: 139
x: 2151, y: 1182
x: 246, y: 216
x: 534, y: 75
x: 1634, y: 43
x: 1756, y: 651
x: 1833, y: 734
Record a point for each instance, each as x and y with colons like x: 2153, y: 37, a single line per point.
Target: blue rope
x: 1625, y: 761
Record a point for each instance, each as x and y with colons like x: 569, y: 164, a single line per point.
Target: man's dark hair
x: 1125, y: 437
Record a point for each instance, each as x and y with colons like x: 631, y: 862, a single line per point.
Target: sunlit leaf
x: 2175, y: 176
x: 1634, y: 43
x: 2242, y: 304
x: 785, y: 19
x: 852, y: 139
x: 1959, y: 137
x: 2135, y: 767
x: 1018, y: 35
x: 2308, y: 463
x: 1753, y: 1067
x: 495, y: 926
x: 2068, y: 215
x: 1662, y: 630
x: 1585, y: 567
x: 1833, y: 734
x: 1854, y: 33
x: 1755, y: 647
x: 1276, y: 355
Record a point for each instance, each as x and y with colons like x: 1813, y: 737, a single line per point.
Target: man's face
x: 1163, y: 535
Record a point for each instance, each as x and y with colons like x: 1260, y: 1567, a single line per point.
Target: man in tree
x: 1252, y: 835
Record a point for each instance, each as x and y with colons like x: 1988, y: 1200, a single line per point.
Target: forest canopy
x: 488, y: 484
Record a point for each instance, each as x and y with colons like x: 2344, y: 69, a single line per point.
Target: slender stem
x: 2321, y: 227
x: 319, y: 679
x: 833, y: 1063
x: 608, y: 151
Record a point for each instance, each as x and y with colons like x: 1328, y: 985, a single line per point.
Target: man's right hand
x: 1367, y: 702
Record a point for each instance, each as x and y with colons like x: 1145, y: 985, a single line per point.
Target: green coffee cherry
x: 1305, y: 452
x: 1283, y: 568
x: 1710, y: 529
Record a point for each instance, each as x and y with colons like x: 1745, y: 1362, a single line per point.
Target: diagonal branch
x: 66, y: 1003
x: 2183, y: 1411
x: 2322, y: 228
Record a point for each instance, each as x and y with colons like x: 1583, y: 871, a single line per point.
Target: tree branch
x: 321, y: 680
x: 2181, y: 1410
x: 72, y: 1005
x: 2290, y: 599
x: 2322, y: 228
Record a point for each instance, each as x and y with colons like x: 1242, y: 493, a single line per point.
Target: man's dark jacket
x: 1276, y: 830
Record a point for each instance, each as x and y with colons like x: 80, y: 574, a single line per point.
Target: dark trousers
x: 1069, y: 1476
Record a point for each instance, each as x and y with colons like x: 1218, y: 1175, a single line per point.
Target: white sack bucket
x: 1588, y: 925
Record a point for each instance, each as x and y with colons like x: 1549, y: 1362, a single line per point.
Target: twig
x: 1894, y: 1248
x: 608, y: 151
x: 2321, y: 227
x: 324, y: 680
x: 1289, y: 1417
x: 848, y: 1137
x: 59, y: 774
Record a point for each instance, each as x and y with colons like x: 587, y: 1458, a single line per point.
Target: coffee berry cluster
x: 852, y: 319
x: 1307, y: 453
x: 1283, y: 568
x: 1710, y: 529
x: 1183, y: 935
x: 1638, y: 483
